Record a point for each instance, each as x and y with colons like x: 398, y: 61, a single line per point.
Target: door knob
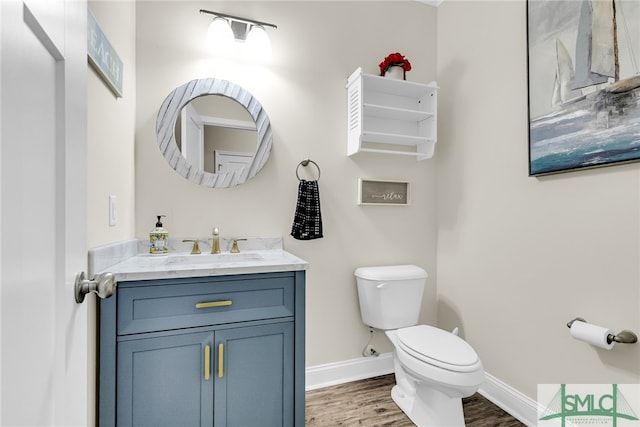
x: 103, y: 285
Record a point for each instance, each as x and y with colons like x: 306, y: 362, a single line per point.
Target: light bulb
x: 258, y: 43
x: 220, y: 36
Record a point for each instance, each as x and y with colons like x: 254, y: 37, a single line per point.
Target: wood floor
x: 368, y: 403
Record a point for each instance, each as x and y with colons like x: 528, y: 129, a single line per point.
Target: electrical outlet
x: 113, y: 211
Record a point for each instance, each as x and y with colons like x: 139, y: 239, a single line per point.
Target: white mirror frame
x: 170, y: 112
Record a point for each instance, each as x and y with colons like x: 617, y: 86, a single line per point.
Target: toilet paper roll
x: 591, y: 334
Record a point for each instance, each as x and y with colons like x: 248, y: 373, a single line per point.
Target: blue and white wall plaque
x: 103, y: 56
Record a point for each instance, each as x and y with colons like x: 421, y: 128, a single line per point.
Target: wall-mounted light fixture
x: 224, y: 29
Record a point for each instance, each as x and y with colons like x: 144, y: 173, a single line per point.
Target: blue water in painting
x: 598, y: 129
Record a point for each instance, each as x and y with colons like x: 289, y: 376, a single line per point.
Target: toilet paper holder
x: 623, y: 337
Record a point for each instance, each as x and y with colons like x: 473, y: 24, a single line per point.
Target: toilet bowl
x: 434, y: 369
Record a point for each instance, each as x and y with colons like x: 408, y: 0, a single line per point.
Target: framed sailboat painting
x: 584, y: 84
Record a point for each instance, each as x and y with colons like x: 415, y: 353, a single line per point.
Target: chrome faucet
x: 215, y: 244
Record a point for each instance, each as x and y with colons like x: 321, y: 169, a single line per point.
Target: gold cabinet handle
x: 214, y: 304
x: 207, y: 362
x: 220, y: 360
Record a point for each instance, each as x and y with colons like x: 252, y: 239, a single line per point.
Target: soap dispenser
x: 159, y: 238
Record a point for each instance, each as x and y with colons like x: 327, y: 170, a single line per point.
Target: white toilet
x: 434, y: 368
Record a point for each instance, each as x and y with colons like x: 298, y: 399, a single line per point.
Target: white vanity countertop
x: 144, y: 266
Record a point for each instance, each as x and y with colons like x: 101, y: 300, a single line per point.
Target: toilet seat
x: 439, y: 348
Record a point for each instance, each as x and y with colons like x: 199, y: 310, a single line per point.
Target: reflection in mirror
x: 214, y: 133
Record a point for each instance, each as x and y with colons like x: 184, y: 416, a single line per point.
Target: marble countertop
x: 127, y: 263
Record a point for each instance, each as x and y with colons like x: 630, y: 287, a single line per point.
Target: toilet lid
x: 438, y: 347
x: 391, y: 272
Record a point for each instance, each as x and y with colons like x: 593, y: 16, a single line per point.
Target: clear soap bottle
x: 159, y: 238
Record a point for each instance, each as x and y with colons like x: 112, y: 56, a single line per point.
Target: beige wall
x: 316, y: 47
x: 519, y: 257
x: 110, y: 148
x: 111, y: 130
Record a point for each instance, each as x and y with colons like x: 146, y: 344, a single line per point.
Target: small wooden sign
x: 103, y: 56
x: 374, y: 192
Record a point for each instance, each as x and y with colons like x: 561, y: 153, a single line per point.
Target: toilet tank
x: 390, y: 296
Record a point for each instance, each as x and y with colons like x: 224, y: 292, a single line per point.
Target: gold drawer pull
x: 213, y: 304
x: 220, y: 360
x: 207, y: 362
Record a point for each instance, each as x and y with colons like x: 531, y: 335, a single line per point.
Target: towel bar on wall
x: 305, y: 162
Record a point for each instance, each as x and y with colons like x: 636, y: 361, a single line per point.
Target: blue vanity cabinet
x: 210, y: 351
x: 254, y: 379
x: 158, y: 383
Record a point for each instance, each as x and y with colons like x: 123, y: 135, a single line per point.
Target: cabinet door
x: 254, y: 376
x: 166, y: 381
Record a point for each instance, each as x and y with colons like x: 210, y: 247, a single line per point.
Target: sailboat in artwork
x: 596, y: 116
x: 562, y: 91
x: 596, y: 56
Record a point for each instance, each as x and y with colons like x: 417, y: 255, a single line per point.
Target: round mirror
x: 214, y: 133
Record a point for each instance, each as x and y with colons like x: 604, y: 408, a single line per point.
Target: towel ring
x: 305, y: 162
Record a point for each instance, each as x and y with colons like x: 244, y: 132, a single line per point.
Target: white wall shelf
x: 391, y: 116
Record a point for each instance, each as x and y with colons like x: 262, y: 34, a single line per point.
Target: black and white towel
x: 307, y: 221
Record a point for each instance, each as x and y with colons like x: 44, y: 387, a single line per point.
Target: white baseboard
x: 348, y: 370
x: 510, y: 400
x: 501, y: 394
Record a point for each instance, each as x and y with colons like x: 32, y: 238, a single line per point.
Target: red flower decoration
x: 394, y: 59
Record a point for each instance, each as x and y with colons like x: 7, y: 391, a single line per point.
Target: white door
x: 230, y: 161
x: 192, y: 137
x: 43, y: 332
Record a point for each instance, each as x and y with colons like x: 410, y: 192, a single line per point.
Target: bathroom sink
x: 200, y: 259
x: 214, y: 258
